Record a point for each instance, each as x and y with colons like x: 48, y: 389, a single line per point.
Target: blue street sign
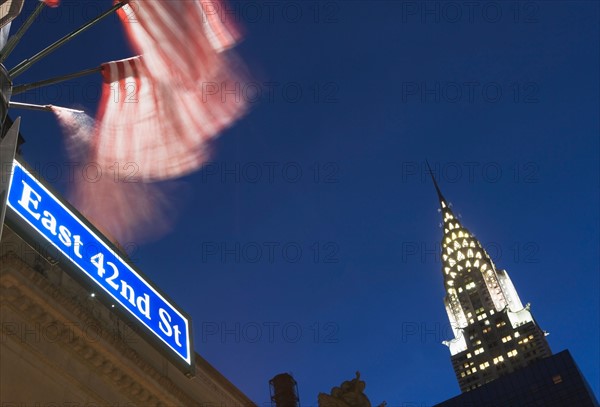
x: 97, y: 262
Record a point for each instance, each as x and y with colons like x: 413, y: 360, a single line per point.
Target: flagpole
x: 14, y: 39
x: 27, y: 63
x: 34, y: 85
x: 44, y: 108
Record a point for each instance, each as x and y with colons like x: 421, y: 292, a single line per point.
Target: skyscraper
x: 494, y: 334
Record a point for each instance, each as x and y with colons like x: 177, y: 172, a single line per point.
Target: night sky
x: 309, y: 243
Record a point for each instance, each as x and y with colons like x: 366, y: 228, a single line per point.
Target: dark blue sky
x: 309, y: 243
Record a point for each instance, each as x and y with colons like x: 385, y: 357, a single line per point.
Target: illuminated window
x: 498, y: 359
x: 506, y: 339
x: 452, y: 262
x: 472, y: 244
x: 512, y: 353
x: 487, y: 330
x: 517, y: 334
x: 557, y: 379
x: 465, y: 243
x: 483, y: 267
x: 460, y: 256
x: 499, y: 324
x: 469, y: 356
x: 453, y: 236
x: 468, y: 264
x: 470, y: 286
x: 478, y: 351
x: 469, y: 253
x: 484, y: 365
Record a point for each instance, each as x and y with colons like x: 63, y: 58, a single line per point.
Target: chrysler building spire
x: 494, y: 333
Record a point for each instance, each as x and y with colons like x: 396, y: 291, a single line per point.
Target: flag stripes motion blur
x: 157, y: 114
x: 160, y: 128
x: 159, y: 110
x: 52, y: 3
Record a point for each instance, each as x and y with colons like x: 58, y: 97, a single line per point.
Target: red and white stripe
x: 52, y: 3
x: 161, y: 129
x: 180, y: 40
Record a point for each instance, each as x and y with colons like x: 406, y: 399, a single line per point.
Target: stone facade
x: 59, y: 346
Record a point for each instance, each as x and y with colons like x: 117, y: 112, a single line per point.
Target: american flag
x: 161, y: 128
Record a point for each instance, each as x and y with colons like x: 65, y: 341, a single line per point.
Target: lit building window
x: 469, y: 253
x: 460, y: 256
x: 512, y: 353
x: 506, y: 339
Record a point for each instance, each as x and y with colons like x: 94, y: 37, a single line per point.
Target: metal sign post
x: 8, y: 148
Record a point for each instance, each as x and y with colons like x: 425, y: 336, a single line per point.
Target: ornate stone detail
x: 143, y: 384
x: 349, y: 394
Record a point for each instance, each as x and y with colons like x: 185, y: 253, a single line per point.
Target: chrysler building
x: 494, y: 334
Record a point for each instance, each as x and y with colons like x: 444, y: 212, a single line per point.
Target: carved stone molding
x: 40, y: 301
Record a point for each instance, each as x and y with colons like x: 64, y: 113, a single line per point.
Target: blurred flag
x: 179, y: 40
x: 51, y: 3
x: 162, y: 129
x: 113, y: 198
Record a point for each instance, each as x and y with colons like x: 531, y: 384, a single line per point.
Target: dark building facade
x: 554, y: 381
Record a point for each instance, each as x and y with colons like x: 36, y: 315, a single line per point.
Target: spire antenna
x: 435, y: 184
